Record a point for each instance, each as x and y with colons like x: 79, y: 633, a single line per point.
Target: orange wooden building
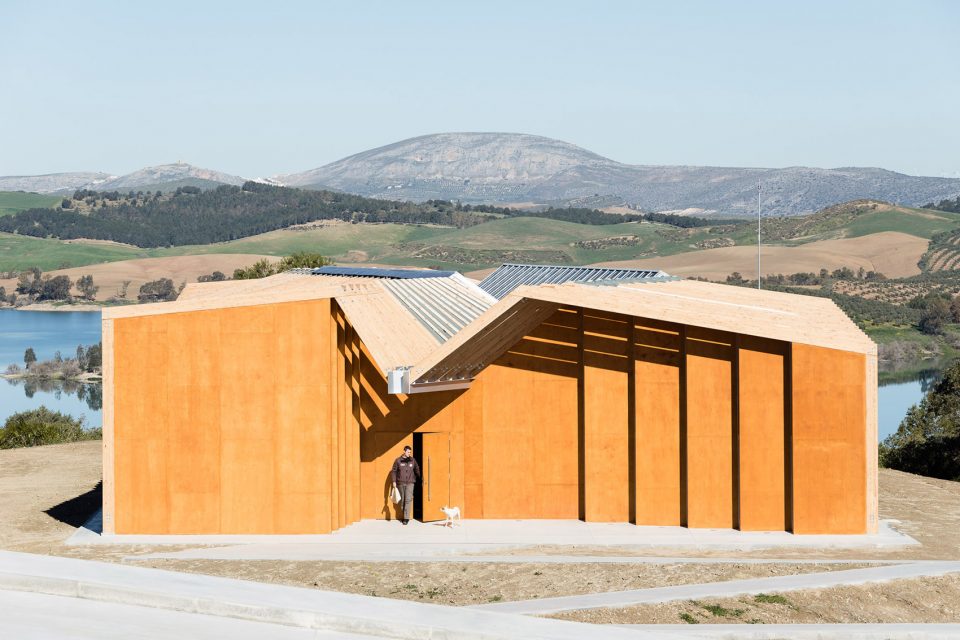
x: 277, y: 406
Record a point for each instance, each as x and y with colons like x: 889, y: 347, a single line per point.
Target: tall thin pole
x: 758, y: 234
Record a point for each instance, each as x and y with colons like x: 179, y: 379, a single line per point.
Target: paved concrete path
x: 386, y: 539
x: 30, y: 616
x: 907, y: 631
x: 278, y: 604
x: 724, y: 589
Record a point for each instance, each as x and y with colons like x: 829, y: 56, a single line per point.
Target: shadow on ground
x: 76, y: 511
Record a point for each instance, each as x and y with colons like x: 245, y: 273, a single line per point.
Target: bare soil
x: 914, y: 600
x: 477, y: 583
x: 891, y: 253
x: 46, y: 493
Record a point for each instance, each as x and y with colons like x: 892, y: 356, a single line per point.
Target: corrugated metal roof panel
x: 443, y: 305
x: 508, y: 277
x: 443, y: 302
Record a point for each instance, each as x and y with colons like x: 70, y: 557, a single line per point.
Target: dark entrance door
x: 432, y: 452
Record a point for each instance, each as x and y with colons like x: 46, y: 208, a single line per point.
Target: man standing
x: 405, y: 473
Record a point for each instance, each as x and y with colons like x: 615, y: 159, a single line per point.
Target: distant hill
x: 512, y: 168
x: 521, y: 169
x: 53, y: 182
x: 168, y: 177
x: 165, y: 177
x: 857, y: 218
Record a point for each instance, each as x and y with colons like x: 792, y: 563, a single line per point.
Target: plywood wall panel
x: 141, y: 423
x: 709, y: 411
x: 526, y: 428
x: 606, y: 417
x: 657, y: 376
x: 218, y: 426
x: 762, y: 430
x: 473, y: 421
x: 829, y: 448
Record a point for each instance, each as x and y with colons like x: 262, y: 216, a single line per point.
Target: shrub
x: 43, y: 426
x: 264, y: 268
x: 689, y: 619
x: 161, y: 290
x: 770, y: 598
x: 928, y: 440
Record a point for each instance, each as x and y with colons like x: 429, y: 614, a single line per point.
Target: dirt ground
x: 46, y: 492
x: 911, y: 600
x: 891, y: 253
x: 477, y: 583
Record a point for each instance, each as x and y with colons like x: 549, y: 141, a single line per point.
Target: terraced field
x: 943, y: 253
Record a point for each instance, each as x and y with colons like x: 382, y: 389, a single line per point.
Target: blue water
x: 48, y: 332
x: 895, y: 399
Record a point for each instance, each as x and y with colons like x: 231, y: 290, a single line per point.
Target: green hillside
x: 14, y: 201
x: 512, y: 239
x: 22, y: 252
x: 853, y: 219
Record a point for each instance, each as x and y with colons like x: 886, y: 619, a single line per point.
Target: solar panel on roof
x: 372, y: 272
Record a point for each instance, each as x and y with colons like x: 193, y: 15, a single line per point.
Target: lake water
x: 894, y: 399
x: 47, y: 332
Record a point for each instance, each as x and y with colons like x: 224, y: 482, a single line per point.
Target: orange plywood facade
x: 211, y: 436
x: 658, y: 371
x: 763, y: 370
x: 607, y: 372
x: 538, y: 443
x: 275, y: 418
x: 829, y: 450
x: 709, y: 432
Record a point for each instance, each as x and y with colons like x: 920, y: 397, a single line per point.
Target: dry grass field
x: 891, y: 253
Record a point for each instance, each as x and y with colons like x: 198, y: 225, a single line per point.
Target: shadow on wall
x: 76, y: 511
x: 389, y: 422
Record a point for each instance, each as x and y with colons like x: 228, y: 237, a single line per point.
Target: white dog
x: 451, y: 513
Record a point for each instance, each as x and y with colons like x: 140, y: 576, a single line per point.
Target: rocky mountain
x: 509, y: 167
x: 503, y: 168
x: 53, y: 182
x: 167, y: 177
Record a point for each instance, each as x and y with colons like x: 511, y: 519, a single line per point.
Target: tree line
x: 33, y: 285
x: 194, y: 216
x: 950, y: 206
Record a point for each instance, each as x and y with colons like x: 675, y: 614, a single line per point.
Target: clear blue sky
x: 274, y: 87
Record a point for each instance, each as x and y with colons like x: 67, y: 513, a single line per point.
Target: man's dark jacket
x: 405, y: 470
